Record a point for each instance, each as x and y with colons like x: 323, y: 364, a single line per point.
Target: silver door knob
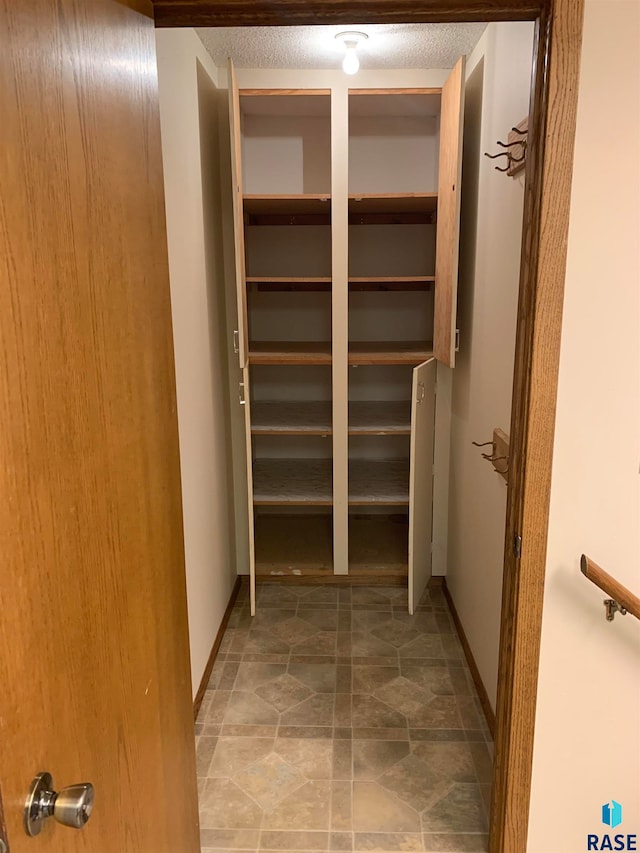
x: 71, y: 806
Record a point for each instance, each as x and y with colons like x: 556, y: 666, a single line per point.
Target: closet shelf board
x: 290, y: 352
x: 379, y: 544
x: 290, y: 283
x: 413, y: 282
x: 302, y: 209
x: 292, y: 482
x: 380, y: 418
x: 417, y: 207
x: 382, y: 482
x: 389, y: 352
x: 290, y: 417
x: 293, y: 545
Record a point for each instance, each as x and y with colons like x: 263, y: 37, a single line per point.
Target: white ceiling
x: 388, y: 46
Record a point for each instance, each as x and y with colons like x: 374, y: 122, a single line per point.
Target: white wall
x: 199, y: 330
x: 497, y: 97
x: 587, y: 743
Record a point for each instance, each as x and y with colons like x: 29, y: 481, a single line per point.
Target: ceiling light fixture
x: 351, y: 40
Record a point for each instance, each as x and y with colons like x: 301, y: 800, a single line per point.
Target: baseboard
x: 214, y: 650
x: 475, y: 673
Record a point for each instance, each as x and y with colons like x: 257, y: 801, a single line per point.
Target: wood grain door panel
x: 93, y: 637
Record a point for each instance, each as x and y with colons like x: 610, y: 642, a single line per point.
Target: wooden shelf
x: 290, y: 352
x: 391, y: 208
x: 293, y: 545
x: 382, y: 482
x: 413, y: 282
x: 273, y: 283
x: 292, y: 482
x: 379, y: 544
x: 380, y: 418
x: 291, y: 417
x: 389, y: 352
x: 303, y: 209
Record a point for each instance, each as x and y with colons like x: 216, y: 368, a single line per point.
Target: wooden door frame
x: 546, y: 222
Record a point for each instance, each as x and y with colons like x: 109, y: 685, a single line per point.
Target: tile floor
x: 335, y: 721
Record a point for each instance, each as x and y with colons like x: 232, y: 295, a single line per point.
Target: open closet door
x: 245, y: 400
x: 238, y: 217
x: 448, y: 227
x: 423, y: 407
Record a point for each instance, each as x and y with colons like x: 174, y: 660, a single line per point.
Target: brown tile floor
x: 335, y: 721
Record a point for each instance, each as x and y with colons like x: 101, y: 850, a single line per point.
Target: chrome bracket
x: 611, y: 608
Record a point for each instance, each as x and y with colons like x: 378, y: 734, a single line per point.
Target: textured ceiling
x: 388, y: 46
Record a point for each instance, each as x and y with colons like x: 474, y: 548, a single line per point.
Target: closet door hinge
x: 236, y: 341
x: 457, y: 343
x: 241, y: 396
x: 517, y: 546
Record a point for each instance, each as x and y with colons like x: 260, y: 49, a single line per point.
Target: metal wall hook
x: 485, y: 444
x: 516, y: 142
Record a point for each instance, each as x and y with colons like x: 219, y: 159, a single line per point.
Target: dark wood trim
x: 552, y: 123
x: 266, y: 13
x: 206, y: 675
x: 475, y: 672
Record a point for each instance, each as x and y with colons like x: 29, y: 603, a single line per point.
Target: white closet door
x: 448, y: 225
x: 423, y: 406
x: 238, y: 217
x: 245, y: 398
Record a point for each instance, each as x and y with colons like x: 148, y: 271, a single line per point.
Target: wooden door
x: 448, y: 227
x: 423, y: 411
x: 238, y: 215
x: 94, y: 664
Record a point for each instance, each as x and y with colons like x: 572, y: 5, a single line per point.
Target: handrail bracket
x: 611, y: 608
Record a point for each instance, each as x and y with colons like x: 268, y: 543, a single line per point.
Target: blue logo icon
x: 612, y: 814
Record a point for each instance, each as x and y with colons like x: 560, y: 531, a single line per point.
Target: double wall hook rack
x: 499, y: 456
x: 515, y: 149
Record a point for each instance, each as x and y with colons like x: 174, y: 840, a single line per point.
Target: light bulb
x: 351, y: 63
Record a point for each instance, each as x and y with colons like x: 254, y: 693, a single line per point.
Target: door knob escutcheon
x: 71, y: 806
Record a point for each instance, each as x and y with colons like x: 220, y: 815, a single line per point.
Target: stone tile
x: 321, y: 643
x: 246, y: 708
x: 323, y: 620
x: 377, y: 810
x: 369, y: 595
x: 388, y: 841
x: 373, y: 758
x: 436, y: 679
x: 228, y: 676
x: 251, y: 675
x: 264, y: 642
x: 424, y: 623
x: 404, y: 696
x: 366, y: 645
x: 305, y: 731
x: 307, y: 808
x: 320, y: 677
x: 448, y: 760
x: 342, y: 765
x: 312, y: 757
x: 217, y: 708
x: 413, y: 782
x: 367, y: 679
x: 204, y: 754
x: 343, y: 679
x: 460, y: 682
x: 395, y: 633
x: 343, y: 715
x: 320, y: 594
x: 424, y: 646
x: 483, y: 761
x: 440, y: 713
x: 341, y: 841
x: 234, y: 754
x: 460, y: 809
x: 284, y: 692
x: 451, y: 646
x: 267, y: 618
x: 294, y: 630
x: 269, y: 781
x: 257, y: 657
x: 229, y: 839
x: 380, y: 733
x: 248, y: 731
x: 455, y: 843
x: 471, y: 718
x: 224, y: 806
x: 318, y: 710
x: 293, y: 840
x: 341, y: 807
x: 369, y: 712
